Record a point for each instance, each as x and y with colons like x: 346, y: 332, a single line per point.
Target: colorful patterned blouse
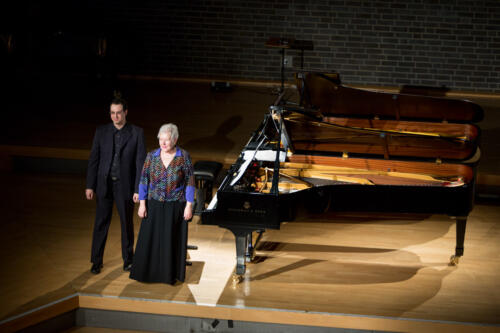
x: 175, y: 183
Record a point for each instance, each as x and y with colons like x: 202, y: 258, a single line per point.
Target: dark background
x: 452, y: 43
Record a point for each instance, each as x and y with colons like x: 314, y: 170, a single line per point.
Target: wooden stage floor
x: 385, y: 272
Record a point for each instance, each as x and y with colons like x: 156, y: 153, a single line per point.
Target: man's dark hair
x: 118, y: 100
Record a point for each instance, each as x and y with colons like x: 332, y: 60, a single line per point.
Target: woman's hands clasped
x: 143, y: 212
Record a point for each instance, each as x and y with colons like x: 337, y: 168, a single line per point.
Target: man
x: 113, y: 174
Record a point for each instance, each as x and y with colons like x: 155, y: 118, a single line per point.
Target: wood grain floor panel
x: 388, y: 266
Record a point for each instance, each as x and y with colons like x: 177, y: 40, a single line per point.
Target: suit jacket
x: 133, y: 153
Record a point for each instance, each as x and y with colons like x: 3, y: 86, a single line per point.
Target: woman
x: 166, y: 194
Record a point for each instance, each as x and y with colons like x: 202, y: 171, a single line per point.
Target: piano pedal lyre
x: 251, y: 246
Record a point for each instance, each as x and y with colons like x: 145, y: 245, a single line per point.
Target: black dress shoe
x: 127, y: 267
x: 96, y: 268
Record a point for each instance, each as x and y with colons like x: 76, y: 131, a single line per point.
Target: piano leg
x: 459, y: 249
x: 245, y: 250
x: 242, y: 237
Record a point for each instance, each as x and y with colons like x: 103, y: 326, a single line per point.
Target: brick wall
x: 452, y: 43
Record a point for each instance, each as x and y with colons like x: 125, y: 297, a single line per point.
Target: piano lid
x: 325, y: 92
x: 387, y: 139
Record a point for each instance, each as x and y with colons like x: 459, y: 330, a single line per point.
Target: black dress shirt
x: 117, y: 145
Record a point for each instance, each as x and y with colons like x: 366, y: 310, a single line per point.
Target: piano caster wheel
x: 454, y: 260
x: 237, y: 279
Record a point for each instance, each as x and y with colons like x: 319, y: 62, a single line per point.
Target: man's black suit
x: 131, y: 159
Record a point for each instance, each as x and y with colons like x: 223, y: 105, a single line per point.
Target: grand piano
x: 351, y: 150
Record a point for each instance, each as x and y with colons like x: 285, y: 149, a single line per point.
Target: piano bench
x: 205, y: 173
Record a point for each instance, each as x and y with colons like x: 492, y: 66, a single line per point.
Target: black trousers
x: 125, y: 207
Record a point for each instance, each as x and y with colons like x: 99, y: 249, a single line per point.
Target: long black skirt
x: 160, y: 252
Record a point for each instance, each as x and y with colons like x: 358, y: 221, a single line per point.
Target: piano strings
x: 294, y: 177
